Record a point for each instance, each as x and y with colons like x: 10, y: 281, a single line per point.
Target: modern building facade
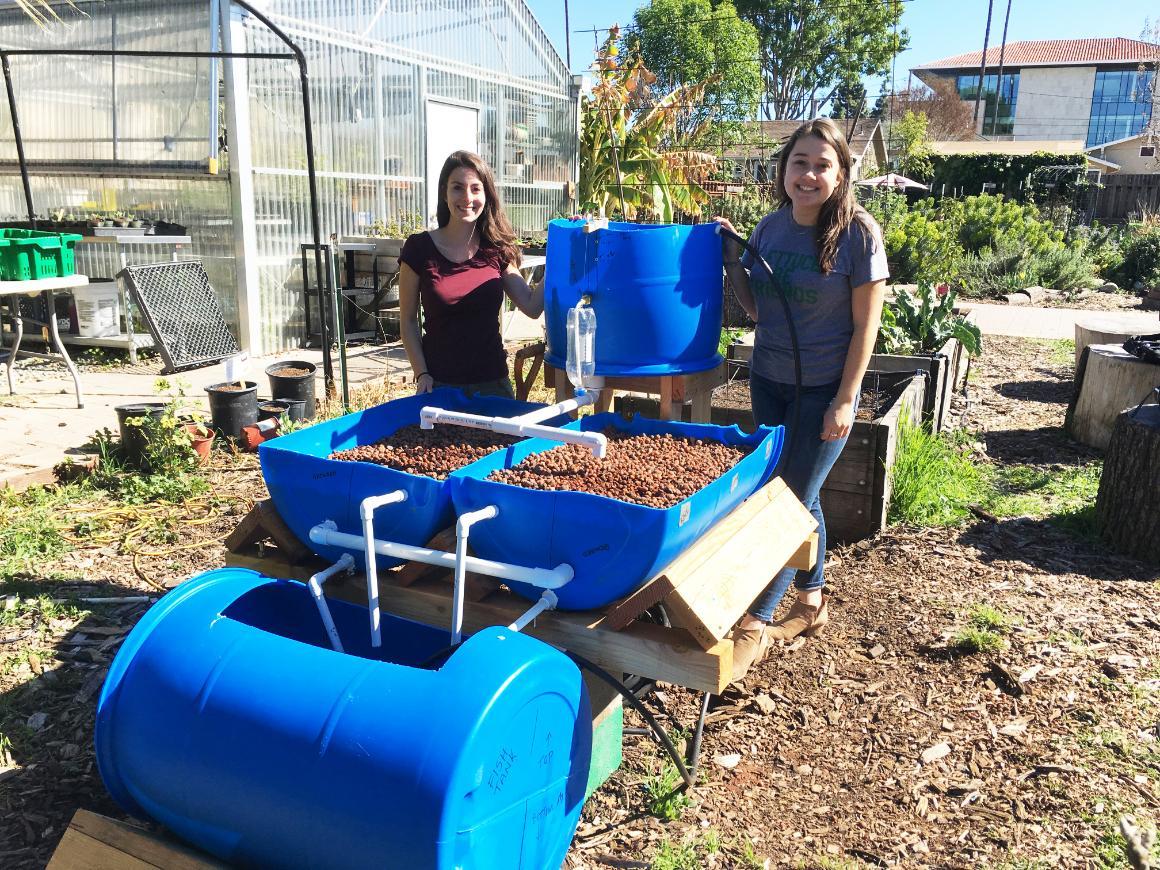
x: 219, y: 145
x: 1093, y: 90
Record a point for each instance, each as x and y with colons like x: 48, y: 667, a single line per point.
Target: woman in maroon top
x: 460, y: 273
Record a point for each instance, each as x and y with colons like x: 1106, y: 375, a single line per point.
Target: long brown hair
x: 841, y: 209
x: 495, y: 230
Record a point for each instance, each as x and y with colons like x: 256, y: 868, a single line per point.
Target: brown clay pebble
x: 651, y: 470
x: 290, y: 372
x: 428, y: 452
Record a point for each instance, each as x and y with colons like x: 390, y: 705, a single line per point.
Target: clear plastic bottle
x: 581, y: 361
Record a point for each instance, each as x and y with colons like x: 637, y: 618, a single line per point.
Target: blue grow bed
x: 307, y: 487
x: 613, y: 546
x: 228, y: 718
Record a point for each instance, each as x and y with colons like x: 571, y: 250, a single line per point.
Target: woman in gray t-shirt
x: 827, y: 259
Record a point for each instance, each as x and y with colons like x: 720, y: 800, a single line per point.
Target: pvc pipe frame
x: 594, y: 441
x: 345, y: 563
x: 327, y: 533
x: 462, y: 530
x: 367, y: 513
x: 548, y: 601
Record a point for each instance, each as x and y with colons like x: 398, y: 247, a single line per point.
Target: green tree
x: 809, y: 47
x: 913, y: 145
x: 685, y: 42
x: 849, y: 100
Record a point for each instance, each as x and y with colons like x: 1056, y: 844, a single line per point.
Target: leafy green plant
x: 664, y: 799
x: 989, y: 618
x: 398, y: 227
x: 987, y: 220
x: 925, y: 322
x: 934, y: 483
x: 674, y: 856
x: 729, y: 335
x: 921, y: 247
x: 1065, y: 268
x: 31, y: 526
x: 1141, y: 264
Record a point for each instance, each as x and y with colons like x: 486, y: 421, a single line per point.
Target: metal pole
x: 1002, y: 60
x: 19, y: 139
x: 983, y: 64
x: 567, y: 39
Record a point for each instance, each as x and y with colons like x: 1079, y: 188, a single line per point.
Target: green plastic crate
x: 26, y: 255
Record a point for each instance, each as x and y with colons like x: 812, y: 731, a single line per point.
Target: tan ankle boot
x: 801, y: 619
x: 749, y: 647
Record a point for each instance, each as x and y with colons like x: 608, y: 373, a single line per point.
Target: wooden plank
x: 748, y: 546
x: 95, y: 842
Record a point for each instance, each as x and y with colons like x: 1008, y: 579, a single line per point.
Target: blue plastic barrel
x: 656, y: 291
x: 613, y: 546
x: 308, y: 487
x: 227, y: 718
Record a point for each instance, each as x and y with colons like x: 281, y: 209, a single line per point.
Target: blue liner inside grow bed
x: 308, y: 487
x: 613, y: 546
x: 228, y: 718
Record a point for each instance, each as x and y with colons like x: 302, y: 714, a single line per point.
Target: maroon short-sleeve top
x: 461, y: 304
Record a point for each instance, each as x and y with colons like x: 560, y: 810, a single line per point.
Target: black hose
x: 797, y: 355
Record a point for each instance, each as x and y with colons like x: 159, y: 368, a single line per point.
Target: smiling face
x: 465, y: 195
x: 812, y: 174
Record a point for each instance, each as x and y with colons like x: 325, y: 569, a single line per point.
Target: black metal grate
x: 182, y: 313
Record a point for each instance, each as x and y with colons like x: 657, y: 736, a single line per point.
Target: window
x: 1121, y: 105
x: 999, y: 102
x: 1147, y: 150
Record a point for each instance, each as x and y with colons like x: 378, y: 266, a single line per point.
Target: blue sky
x: 938, y: 28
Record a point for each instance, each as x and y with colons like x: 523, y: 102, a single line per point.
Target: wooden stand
x: 95, y: 842
x: 1109, y: 380
x: 674, y: 390
x: 1128, y: 504
x: 705, y: 590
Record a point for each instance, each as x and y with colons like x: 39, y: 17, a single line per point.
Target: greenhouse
x: 217, y: 146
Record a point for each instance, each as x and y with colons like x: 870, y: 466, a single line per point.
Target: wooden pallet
x: 95, y: 842
x: 705, y: 590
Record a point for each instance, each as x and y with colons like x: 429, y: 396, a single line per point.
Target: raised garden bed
x: 856, y: 496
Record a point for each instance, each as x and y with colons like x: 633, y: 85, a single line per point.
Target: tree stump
x: 1128, y: 504
x: 1109, y: 380
x: 1110, y: 329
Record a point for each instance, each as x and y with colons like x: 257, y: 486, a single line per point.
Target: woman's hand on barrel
x: 424, y: 383
x: 838, y: 420
x: 730, y: 248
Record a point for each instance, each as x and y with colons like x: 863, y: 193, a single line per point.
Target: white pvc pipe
x: 547, y: 601
x: 594, y: 441
x: 345, y: 563
x: 367, y: 513
x: 462, y: 530
x: 566, y: 407
x: 544, y: 578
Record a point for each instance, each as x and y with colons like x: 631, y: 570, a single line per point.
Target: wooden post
x: 1128, y: 504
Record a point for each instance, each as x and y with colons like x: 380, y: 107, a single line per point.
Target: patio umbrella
x: 893, y: 179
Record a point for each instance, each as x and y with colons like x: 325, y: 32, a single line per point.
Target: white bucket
x: 98, y: 310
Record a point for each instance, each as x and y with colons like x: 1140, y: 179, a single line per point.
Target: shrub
x: 1141, y: 265
x: 1065, y: 268
x: 921, y: 248
x: 1103, y: 246
x: 989, y: 221
x: 995, y: 271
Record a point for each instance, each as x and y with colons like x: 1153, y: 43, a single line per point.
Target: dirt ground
x: 875, y: 744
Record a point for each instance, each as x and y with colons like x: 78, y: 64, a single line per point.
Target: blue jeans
x: 804, y: 471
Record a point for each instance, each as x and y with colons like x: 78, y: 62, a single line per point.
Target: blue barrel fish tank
x: 656, y: 291
x: 265, y: 724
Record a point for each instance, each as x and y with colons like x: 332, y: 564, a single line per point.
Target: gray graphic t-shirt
x: 820, y: 303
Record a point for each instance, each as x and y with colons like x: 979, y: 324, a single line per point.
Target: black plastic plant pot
x: 293, y: 379
x: 132, y: 438
x: 232, y: 406
x: 272, y: 409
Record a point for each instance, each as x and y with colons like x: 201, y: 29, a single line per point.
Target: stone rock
x: 1017, y: 298
x: 1109, y: 287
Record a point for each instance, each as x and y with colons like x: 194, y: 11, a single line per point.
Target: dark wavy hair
x: 495, y: 230
x: 841, y: 210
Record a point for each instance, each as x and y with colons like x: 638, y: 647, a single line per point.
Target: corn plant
x: 630, y: 160
x: 925, y: 322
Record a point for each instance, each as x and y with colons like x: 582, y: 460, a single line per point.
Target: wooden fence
x: 1125, y: 196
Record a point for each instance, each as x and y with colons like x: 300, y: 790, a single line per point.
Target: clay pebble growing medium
x: 429, y: 452
x: 656, y: 471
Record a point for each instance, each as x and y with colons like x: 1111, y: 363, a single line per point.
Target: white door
x: 450, y: 127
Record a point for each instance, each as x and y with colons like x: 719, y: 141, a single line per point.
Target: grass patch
x: 675, y: 856
x: 977, y: 640
x: 1060, y: 351
x: 988, y: 618
x: 32, y: 526
x: 1063, y: 495
x: 933, y: 482
x: 664, y: 801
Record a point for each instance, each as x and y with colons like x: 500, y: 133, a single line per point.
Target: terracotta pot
x: 202, y: 444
